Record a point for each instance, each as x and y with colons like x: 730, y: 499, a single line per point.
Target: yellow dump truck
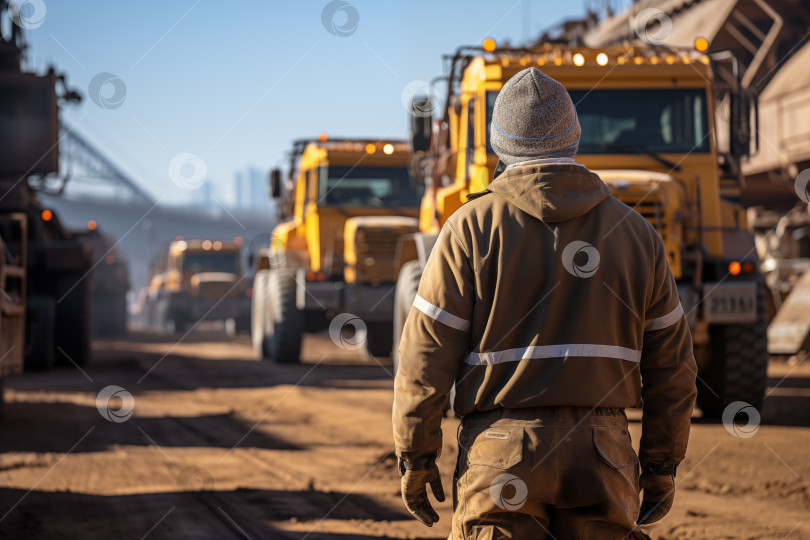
x: 195, y: 281
x: 343, y: 205
x: 649, y: 129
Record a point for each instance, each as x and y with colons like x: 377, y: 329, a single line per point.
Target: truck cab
x: 195, y: 281
x: 344, y: 205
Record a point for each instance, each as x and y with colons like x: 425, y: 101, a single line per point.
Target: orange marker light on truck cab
x: 46, y: 215
x: 323, y: 137
x: 702, y: 44
x: 370, y: 148
x: 734, y: 268
x: 489, y: 45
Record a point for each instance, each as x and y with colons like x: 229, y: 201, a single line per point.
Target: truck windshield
x: 636, y: 121
x: 210, y: 262
x: 368, y: 186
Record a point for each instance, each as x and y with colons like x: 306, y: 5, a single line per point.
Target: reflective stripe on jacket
x: 545, y: 290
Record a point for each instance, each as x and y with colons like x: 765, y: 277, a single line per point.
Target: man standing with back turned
x: 551, y: 307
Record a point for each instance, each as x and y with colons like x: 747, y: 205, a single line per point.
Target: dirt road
x: 220, y: 445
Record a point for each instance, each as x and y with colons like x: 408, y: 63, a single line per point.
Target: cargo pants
x: 545, y: 472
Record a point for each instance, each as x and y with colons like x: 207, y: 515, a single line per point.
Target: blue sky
x: 234, y: 82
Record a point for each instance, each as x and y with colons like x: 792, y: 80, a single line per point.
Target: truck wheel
x: 258, y: 312
x: 286, y: 321
x: 40, y: 333
x: 73, y: 319
x: 379, y: 339
x: 738, y: 369
x: 407, y: 285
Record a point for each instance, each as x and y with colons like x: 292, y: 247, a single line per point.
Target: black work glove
x: 659, y: 494
x: 415, y: 478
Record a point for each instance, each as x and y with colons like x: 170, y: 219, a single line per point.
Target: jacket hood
x: 550, y: 192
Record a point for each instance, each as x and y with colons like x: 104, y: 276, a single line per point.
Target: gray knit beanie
x: 534, y: 118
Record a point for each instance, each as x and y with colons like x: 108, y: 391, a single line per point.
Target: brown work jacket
x: 544, y: 290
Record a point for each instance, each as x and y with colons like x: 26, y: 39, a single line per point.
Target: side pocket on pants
x: 619, y: 474
x: 615, y: 449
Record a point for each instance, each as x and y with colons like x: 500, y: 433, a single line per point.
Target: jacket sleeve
x: 434, y: 341
x: 668, y: 371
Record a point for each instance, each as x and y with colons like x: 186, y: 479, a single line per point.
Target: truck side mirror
x: 740, y: 106
x: 275, y: 183
x: 421, y: 123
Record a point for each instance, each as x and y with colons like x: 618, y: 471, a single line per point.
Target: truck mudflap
x: 372, y: 303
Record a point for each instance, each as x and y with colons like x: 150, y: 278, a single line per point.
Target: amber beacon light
x: 702, y: 44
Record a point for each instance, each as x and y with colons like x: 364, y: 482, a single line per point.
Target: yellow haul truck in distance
x: 195, y: 281
x: 345, y: 203
x: 650, y: 130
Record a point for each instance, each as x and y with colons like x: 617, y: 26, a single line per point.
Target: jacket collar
x: 550, y: 191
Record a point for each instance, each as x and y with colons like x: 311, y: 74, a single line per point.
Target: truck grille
x: 375, y: 247
x: 212, y: 290
x: 662, y: 204
x: 213, y: 285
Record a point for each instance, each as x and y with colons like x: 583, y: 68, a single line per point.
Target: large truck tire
x: 73, y: 319
x: 286, y: 321
x: 407, y: 285
x: 738, y: 366
x: 379, y: 339
x: 40, y: 329
x: 258, y: 312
